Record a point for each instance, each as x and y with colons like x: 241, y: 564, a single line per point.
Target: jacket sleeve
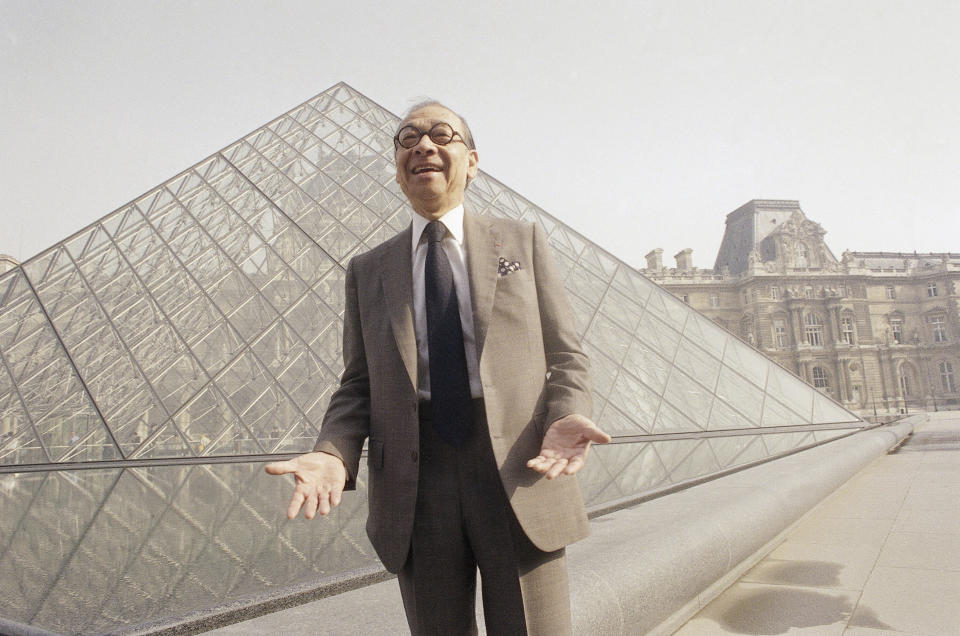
x: 568, y: 388
x: 346, y: 423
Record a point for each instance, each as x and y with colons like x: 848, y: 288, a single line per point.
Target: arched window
x: 813, y: 330
x: 946, y: 377
x: 802, y: 255
x: 821, y: 379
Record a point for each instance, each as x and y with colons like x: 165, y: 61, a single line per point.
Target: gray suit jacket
x: 532, y: 370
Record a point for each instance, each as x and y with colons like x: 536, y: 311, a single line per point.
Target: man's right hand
x: 320, y: 480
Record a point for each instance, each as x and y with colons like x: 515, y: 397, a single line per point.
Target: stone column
x: 843, y: 393
x: 833, y: 311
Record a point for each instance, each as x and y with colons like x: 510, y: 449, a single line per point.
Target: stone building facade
x: 877, y: 331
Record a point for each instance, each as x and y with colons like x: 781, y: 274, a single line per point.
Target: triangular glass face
x: 205, y: 318
x: 736, y: 450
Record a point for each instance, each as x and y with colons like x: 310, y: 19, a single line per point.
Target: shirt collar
x: 452, y: 220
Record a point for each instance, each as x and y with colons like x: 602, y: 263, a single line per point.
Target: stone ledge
x: 647, y: 569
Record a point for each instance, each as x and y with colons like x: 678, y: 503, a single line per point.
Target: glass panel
x: 19, y: 313
x: 777, y: 443
x: 164, y: 441
x: 298, y: 439
x: 776, y: 414
x: 615, y: 422
x: 827, y: 411
x: 724, y: 417
x: 215, y: 349
x: 621, y: 309
x: 18, y: 443
x: 688, y: 396
x: 671, y: 420
x: 636, y: 401
x: 697, y: 363
x: 596, y: 484
x: 178, y: 381
x: 631, y: 284
x: 741, y: 395
x: 303, y: 374
x: 737, y: 450
x: 204, y: 423
x: 73, y: 431
x: 706, y: 334
x: 603, y: 370
x: 790, y: 390
x: 585, y: 285
x: 643, y: 362
x: 658, y: 335
x: 608, y: 337
x: 746, y: 361
x: 669, y: 309
x: 698, y: 462
x: 633, y: 468
x: 675, y: 456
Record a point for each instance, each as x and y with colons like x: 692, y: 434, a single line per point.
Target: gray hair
x: 467, y: 135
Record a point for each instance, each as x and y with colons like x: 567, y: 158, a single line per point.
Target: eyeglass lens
x: 440, y: 134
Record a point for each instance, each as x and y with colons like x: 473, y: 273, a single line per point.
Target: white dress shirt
x: 453, y: 246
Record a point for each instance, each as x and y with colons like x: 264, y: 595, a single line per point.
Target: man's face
x: 432, y: 176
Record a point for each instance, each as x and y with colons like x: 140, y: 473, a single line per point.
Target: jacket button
x: 414, y: 456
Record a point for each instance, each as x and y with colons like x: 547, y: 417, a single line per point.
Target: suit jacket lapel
x: 396, y: 279
x: 483, y: 244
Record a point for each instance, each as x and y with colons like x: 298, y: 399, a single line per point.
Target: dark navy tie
x: 449, y: 380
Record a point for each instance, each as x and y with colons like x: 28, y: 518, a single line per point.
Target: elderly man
x: 463, y: 369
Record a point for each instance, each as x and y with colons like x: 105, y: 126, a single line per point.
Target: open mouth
x: 423, y: 169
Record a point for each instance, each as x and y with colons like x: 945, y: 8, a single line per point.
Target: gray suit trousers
x: 464, y: 522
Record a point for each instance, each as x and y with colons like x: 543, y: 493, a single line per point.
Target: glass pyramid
x: 151, y: 361
x: 203, y: 319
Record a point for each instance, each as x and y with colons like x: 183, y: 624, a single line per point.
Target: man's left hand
x: 565, y: 446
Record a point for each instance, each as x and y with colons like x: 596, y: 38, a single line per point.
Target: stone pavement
x: 880, y: 557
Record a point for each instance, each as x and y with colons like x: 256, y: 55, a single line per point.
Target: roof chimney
x: 684, y: 260
x: 655, y: 260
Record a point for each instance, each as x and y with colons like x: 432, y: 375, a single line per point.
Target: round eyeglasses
x: 440, y: 134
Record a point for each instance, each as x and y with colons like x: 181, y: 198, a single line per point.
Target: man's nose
x: 425, y: 145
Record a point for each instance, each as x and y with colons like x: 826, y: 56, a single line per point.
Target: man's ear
x: 473, y: 164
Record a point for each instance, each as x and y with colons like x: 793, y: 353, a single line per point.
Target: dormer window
x: 802, y: 256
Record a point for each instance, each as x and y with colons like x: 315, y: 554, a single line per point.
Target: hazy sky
x: 640, y: 124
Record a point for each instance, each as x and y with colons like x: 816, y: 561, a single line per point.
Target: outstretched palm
x: 320, y: 479
x: 565, y: 446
